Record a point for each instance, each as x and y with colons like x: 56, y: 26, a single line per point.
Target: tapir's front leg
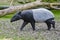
x: 23, y: 25
x: 33, y: 25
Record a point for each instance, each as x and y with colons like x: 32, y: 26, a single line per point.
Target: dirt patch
x: 11, y: 30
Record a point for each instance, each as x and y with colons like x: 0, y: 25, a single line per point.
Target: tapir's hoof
x: 48, y: 29
x: 21, y: 30
x: 33, y: 29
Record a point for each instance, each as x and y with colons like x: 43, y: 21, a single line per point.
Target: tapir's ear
x: 19, y: 12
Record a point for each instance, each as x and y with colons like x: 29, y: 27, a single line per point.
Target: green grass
x: 57, y: 14
x: 51, y: 0
x: 8, y: 16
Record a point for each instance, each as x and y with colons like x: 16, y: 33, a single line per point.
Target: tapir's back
x: 42, y: 14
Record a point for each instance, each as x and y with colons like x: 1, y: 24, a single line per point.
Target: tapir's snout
x: 12, y: 20
x: 15, y: 18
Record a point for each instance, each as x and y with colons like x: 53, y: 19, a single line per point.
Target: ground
x: 12, y: 31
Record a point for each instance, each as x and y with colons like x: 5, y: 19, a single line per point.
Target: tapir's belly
x: 41, y: 15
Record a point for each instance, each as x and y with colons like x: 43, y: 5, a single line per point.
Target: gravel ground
x: 12, y: 30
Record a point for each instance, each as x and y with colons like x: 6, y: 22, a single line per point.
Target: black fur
x: 50, y: 22
x: 28, y: 18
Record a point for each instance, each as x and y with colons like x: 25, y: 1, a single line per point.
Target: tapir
x: 33, y: 16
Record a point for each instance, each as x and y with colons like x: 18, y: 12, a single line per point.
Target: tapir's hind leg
x: 50, y: 22
x: 23, y: 25
x: 53, y: 24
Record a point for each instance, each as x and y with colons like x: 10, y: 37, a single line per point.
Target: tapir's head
x: 16, y: 17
